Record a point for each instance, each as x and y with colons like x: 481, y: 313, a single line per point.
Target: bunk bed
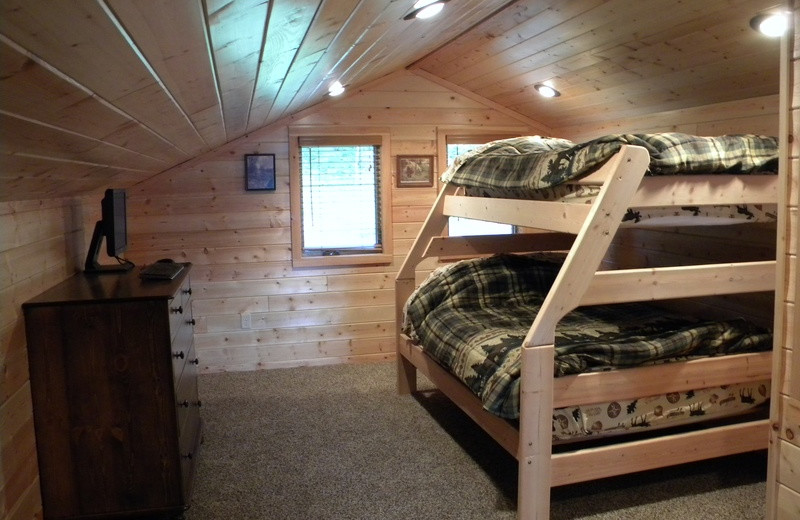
x: 571, y: 199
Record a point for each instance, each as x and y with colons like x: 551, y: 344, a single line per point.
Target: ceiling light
x: 426, y: 9
x: 546, y: 90
x: 335, y: 89
x: 772, y: 24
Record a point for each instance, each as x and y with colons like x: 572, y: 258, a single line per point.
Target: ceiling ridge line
x: 345, y: 55
x: 480, y: 99
x: 212, y: 58
x: 261, y: 50
x: 291, y: 65
x: 415, y: 63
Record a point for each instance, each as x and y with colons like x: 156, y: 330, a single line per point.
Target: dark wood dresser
x: 114, y: 383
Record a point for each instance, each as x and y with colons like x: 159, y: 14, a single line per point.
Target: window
x: 340, y: 206
x: 461, y: 227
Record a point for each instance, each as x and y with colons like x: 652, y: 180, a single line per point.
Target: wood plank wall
x: 239, y: 242
x: 783, y: 484
x: 41, y: 244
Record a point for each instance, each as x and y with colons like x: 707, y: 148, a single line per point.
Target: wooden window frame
x: 447, y: 135
x: 327, y: 135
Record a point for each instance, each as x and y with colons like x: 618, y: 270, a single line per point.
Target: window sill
x: 342, y: 260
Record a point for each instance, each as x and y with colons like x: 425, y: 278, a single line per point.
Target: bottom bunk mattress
x: 472, y: 317
x: 654, y: 412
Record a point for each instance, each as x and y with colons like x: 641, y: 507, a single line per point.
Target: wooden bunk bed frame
x: 586, y: 231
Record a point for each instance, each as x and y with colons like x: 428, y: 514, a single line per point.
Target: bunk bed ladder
x: 626, y: 170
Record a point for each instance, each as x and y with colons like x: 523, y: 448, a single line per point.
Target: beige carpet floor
x: 337, y: 442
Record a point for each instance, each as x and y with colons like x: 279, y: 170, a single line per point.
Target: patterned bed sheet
x: 668, y: 410
x: 667, y: 215
x: 520, y: 166
x: 472, y: 317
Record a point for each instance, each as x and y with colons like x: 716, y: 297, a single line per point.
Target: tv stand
x: 109, y: 268
x: 92, y: 264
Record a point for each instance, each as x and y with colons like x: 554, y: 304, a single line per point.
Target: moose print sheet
x: 659, y: 411
x: 472, y: 317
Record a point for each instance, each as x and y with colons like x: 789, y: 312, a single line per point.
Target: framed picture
x: 414, y: 171
x: 259, y: 171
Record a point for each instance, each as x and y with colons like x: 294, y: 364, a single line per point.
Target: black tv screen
x: 115, y: 227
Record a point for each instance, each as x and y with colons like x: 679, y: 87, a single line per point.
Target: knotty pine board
x: 451, y: 116
x: 172, y: 36
x: 41, y: 243
x: 758, y: 115
x: 267, y: 338
x: 240, y: 241
x: 783, y: 486
x: 52, y: 98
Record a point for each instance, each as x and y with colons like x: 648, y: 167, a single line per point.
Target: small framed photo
x: 259, y: 171
x: 414, y: 171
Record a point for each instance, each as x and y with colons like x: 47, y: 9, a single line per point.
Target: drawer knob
x: 177, y: 310
x: 198, y: 403
x: 191, y: 322
x: 178, y: 355
x: 187, y: 291
x: 185, y: 404
x: 187, y: 455
x: 195, y: 361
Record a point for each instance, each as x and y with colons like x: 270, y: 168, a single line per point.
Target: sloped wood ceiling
x: 612, y: 59
x: 102, y: 92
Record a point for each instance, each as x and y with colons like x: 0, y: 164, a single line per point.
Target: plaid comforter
x: 514, y: 168
x: 472, y: 317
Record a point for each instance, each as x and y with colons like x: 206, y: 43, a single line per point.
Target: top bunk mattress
x: 525, y: 167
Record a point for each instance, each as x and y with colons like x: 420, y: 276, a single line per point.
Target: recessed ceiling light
x: 426, y: 9
x: 335, y: 89
x: 546, y: 90
x: 772, y: 24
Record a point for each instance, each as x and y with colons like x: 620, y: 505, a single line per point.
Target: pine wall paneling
x: 41, y: 244
x: 783, y: 484
x: 754, y: 116
x: 240, y: 241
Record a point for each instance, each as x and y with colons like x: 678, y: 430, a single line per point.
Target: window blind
x: 340, y: 195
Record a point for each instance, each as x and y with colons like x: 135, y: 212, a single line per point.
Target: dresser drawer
x: 190, y: 441
x: 189, y: 424
x: 183, y: 351
x: 186, y: 395
x: 180, y: 309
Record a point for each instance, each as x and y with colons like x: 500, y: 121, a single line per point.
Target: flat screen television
x: 113, y: 227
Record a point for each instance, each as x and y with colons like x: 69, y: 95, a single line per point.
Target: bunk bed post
x: 404, y: 285
x: 535, y: 433
x: 538, y: 350
x: 406, y: 371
